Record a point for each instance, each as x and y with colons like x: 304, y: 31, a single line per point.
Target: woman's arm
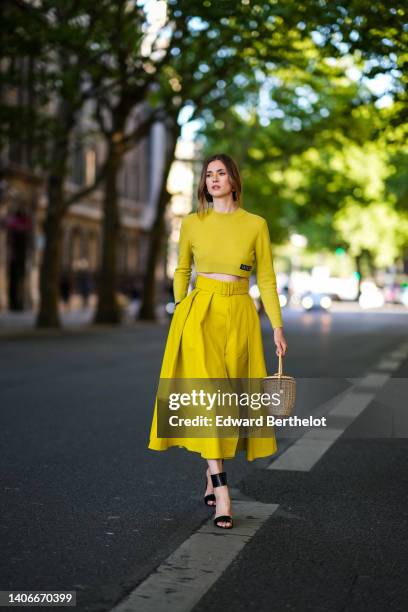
x: 182, y: 273
x: 266, y: 277
x: 267, y: 285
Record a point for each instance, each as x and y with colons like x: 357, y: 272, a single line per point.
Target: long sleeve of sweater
x: 182, y: 273
x: 266, y: 277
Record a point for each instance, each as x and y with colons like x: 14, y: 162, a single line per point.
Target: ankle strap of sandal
x: 218, y: 480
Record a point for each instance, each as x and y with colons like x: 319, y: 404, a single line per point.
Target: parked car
x: 313, y: 300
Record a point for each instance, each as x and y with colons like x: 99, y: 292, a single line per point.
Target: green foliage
x: 319, y: 156
x: 284, y: 87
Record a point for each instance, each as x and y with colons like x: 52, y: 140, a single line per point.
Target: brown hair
x: 204, y: 198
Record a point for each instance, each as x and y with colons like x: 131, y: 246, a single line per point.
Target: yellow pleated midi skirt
x: 215, y: 332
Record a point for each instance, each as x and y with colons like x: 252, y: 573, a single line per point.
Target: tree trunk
x: 370, y: 264
x: 51, y: 259
x: 108, y: 309
x: 50, y: 269
x: 147, y: 308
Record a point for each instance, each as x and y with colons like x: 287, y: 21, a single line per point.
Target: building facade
x: 23, y: 207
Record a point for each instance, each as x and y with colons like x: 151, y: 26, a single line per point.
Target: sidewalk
x: 26, y: 319
x: 72, y: 319
x: 355, y: 307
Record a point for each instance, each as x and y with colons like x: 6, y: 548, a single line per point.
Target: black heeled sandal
x: 210, y: 496
x: 219, y: 480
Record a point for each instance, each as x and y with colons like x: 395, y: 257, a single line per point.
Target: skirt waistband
x: 223, y: 287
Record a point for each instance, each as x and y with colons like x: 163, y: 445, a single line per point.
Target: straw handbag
x: 285, y: 387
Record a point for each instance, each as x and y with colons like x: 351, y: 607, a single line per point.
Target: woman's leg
x: 210, y: 488
x: 221, y: 493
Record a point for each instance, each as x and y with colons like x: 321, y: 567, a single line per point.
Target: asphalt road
x: 85, y: 505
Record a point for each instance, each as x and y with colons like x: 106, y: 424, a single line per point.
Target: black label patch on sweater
x: 244, y: 267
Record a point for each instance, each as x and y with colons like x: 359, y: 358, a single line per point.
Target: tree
x: 60, y: 40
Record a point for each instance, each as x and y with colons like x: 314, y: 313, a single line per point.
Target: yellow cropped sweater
x: 228, y: 243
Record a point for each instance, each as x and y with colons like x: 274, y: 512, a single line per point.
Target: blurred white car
x: 404, y: 296
x: 371, y: 296
x: 314, y: 300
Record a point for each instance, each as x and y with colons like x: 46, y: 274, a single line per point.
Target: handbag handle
x: 280, y: 371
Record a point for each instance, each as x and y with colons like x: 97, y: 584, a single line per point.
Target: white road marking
x: 302, y: 455
x: 374, y: 380
x: 398, y: 354
x: 190, y: 571
x: 326, y: 433
x: 389, y: 364
x: 352, y: 404
x: 312, y: 445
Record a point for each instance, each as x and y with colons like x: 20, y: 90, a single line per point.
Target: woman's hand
x: 281, y: 344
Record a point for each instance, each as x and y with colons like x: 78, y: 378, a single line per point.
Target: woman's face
x: 217, y: 179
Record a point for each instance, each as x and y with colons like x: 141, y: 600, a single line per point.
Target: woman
x: 215, y: 330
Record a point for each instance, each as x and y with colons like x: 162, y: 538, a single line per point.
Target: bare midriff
x: 222, y: 277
